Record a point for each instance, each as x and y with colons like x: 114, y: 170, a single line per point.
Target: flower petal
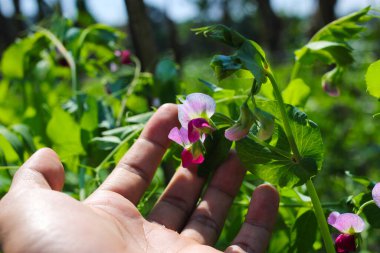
x: 236, y: 132
x: 196, y: 105
x: 348, y: 223
x: 188, y: 159
x: 332, y: 218
x: 345, y: 243
x: 196, y: 127
x: 180, y: 136
x: 376, y: 194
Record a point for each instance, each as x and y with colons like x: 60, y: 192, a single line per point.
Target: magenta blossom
x: 376, y: 194
x: 194, y: 115
x: 348, y: 224
x: 345, y: 243
x: 124, y: 55
x: 192, y: 153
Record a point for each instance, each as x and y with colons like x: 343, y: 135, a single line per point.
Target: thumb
x: 42, y: 170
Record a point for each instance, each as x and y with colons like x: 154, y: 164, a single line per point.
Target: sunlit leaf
x: 372, y: 78
x: 296, y: 93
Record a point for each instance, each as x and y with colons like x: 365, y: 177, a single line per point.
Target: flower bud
x: 241, y: 128
x: 266, y: 124
x: 331, y: 80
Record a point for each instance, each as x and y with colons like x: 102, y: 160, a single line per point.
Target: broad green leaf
x: 14, y: 141
x: 372, y: 78
x: 25, y: 133
x: 64, y: 133
x: 327, y: 51
x: 89, y: 119
x: 241, y: 80
x: 217, y: 148
x: 275, y: 167
x: 106, y: 142
x: 253, y: 60
x: 296, y: 93
x: 304, y: 232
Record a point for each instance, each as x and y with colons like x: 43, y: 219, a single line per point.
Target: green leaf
x: 241, y: 80
x: 106, y: 142
x: 211, y: 86
x: 166, y: 78
x: 304, y: 232
x: 89, y: 119
x: 344, y: 28
x: 221, y: 33
x: 140, y: 118
x: 64, y: 133
x: 276, y: 168
x: 217, y: 148
x: 372, y: 78
x: 225, y: 65
x: 296, y: 93
x: 327, y: 51
x: 27, y: 136
x: 122, y: 132
x: 14, y: 141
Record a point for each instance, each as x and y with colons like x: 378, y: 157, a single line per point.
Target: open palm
x: 36, y: 217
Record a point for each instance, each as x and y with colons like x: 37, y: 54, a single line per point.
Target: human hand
x: 36, y: 217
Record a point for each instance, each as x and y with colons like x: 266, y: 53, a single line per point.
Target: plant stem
x: 369, y: 202
x: 295, y: 70
x: 297, y: 157
x: 270, y: 147
x: 329, y: 244
x: 82, y: 181
x: 111, y: 154
x: 130, y: 89
x: 285, y: 119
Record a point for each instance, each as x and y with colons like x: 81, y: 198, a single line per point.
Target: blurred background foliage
x: 69, y: 84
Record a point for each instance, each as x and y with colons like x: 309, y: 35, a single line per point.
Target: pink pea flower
x: 192, y: 153
x: 241, y: 128
x: 330, y: 89
x: 376, y: 194
x: 124, y: 55
x: 348, y: 224
x: 194, y: 115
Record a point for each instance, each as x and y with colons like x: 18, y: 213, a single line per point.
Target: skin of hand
x: 36, y: 217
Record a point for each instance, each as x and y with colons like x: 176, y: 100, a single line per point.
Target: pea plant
x: 273, y: 137
x: 82, y: 93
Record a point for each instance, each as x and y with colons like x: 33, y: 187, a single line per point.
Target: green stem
x: 297, y: 158
x: 70, y: 60
x: 9, y: 167
x: 231, y: 98
x: 329, y: 244
x: 285, y: 119
x: 130, y: 89
x: 370, y: 202
x: 82, y: 182
x: 295, y: 70
x: 112, y: 153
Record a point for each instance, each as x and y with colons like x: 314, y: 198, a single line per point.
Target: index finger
x: 135, y: 170
x: 257, y: 228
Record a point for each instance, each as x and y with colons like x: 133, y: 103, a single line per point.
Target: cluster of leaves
x: 70, y: 91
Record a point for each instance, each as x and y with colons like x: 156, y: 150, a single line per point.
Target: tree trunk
x: 271, y: 30
x: 142, y: 34
x: 173, y: 39
x: 324, y: 15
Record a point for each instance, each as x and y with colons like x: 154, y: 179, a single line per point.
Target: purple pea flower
x: 376, y: 194
x: 194, y: 115
x: 192, y: 153
x: 348, y: 224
